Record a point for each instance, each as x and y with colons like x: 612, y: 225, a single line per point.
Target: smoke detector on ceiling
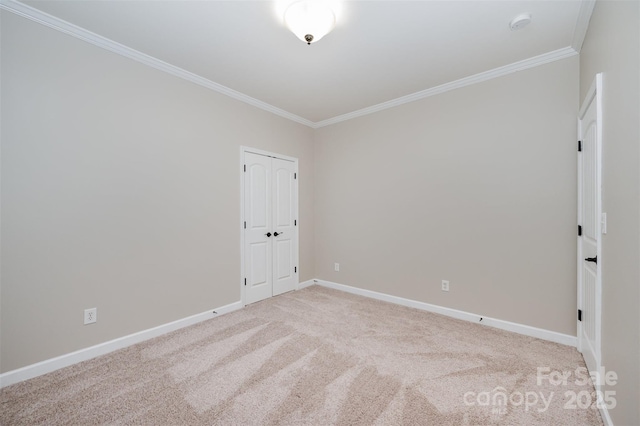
x: 520, y: 21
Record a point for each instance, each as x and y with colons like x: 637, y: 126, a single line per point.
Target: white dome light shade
x: 310, y: 20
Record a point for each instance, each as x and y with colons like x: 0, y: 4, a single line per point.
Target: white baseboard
x: 540, y: 333
x: 49, y: 365
x: 66, y: 360
x: 305, y: 284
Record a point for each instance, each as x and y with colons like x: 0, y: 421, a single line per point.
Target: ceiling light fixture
x: 310, y: 20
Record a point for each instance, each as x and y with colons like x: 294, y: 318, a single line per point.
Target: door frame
x: 243, y: 150
x: 593, y: 95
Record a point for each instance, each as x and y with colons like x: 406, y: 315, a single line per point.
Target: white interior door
x: 589, y: 231
x: 284, y: 229
x: 270, y: 238
x: 257, y: 234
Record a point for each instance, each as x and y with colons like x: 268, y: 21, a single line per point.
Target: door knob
x: 592, y: 259
x: 275, y: 234
x: 268, y: 234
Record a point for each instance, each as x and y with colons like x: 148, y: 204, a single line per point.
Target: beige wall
x: 121, y: 191
x: 612, y: 46
x: 476, y: 186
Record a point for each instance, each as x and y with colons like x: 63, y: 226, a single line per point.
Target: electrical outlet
x: 336, y: 267
x: 90, y: 316
x: 445, y: 285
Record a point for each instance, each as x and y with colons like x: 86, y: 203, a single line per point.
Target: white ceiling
x: 378, y: 52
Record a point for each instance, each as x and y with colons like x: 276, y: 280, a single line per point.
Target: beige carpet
x: 315, y: 356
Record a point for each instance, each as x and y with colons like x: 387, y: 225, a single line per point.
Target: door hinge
x: 295, y: 223
x: 579, y: 146
x: 295, y: 176
x: 245, y: 224
x: 579, y: 230
x: 579, y: 314
x: 245, y: 167
x: 295, y: 269
x: 245, y: 281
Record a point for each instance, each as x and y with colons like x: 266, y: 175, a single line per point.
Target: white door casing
x: 590, y: 226
x: 269, y: 242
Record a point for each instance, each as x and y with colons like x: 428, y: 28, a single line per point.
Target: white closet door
x: 257, y: 236
x: 284, y: 241
x: 270, y: 231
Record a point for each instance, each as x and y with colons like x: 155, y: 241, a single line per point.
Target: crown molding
x: 582, y: 24
x: 33, y: 14
x: 65, y: 27
x: 545, y: 58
